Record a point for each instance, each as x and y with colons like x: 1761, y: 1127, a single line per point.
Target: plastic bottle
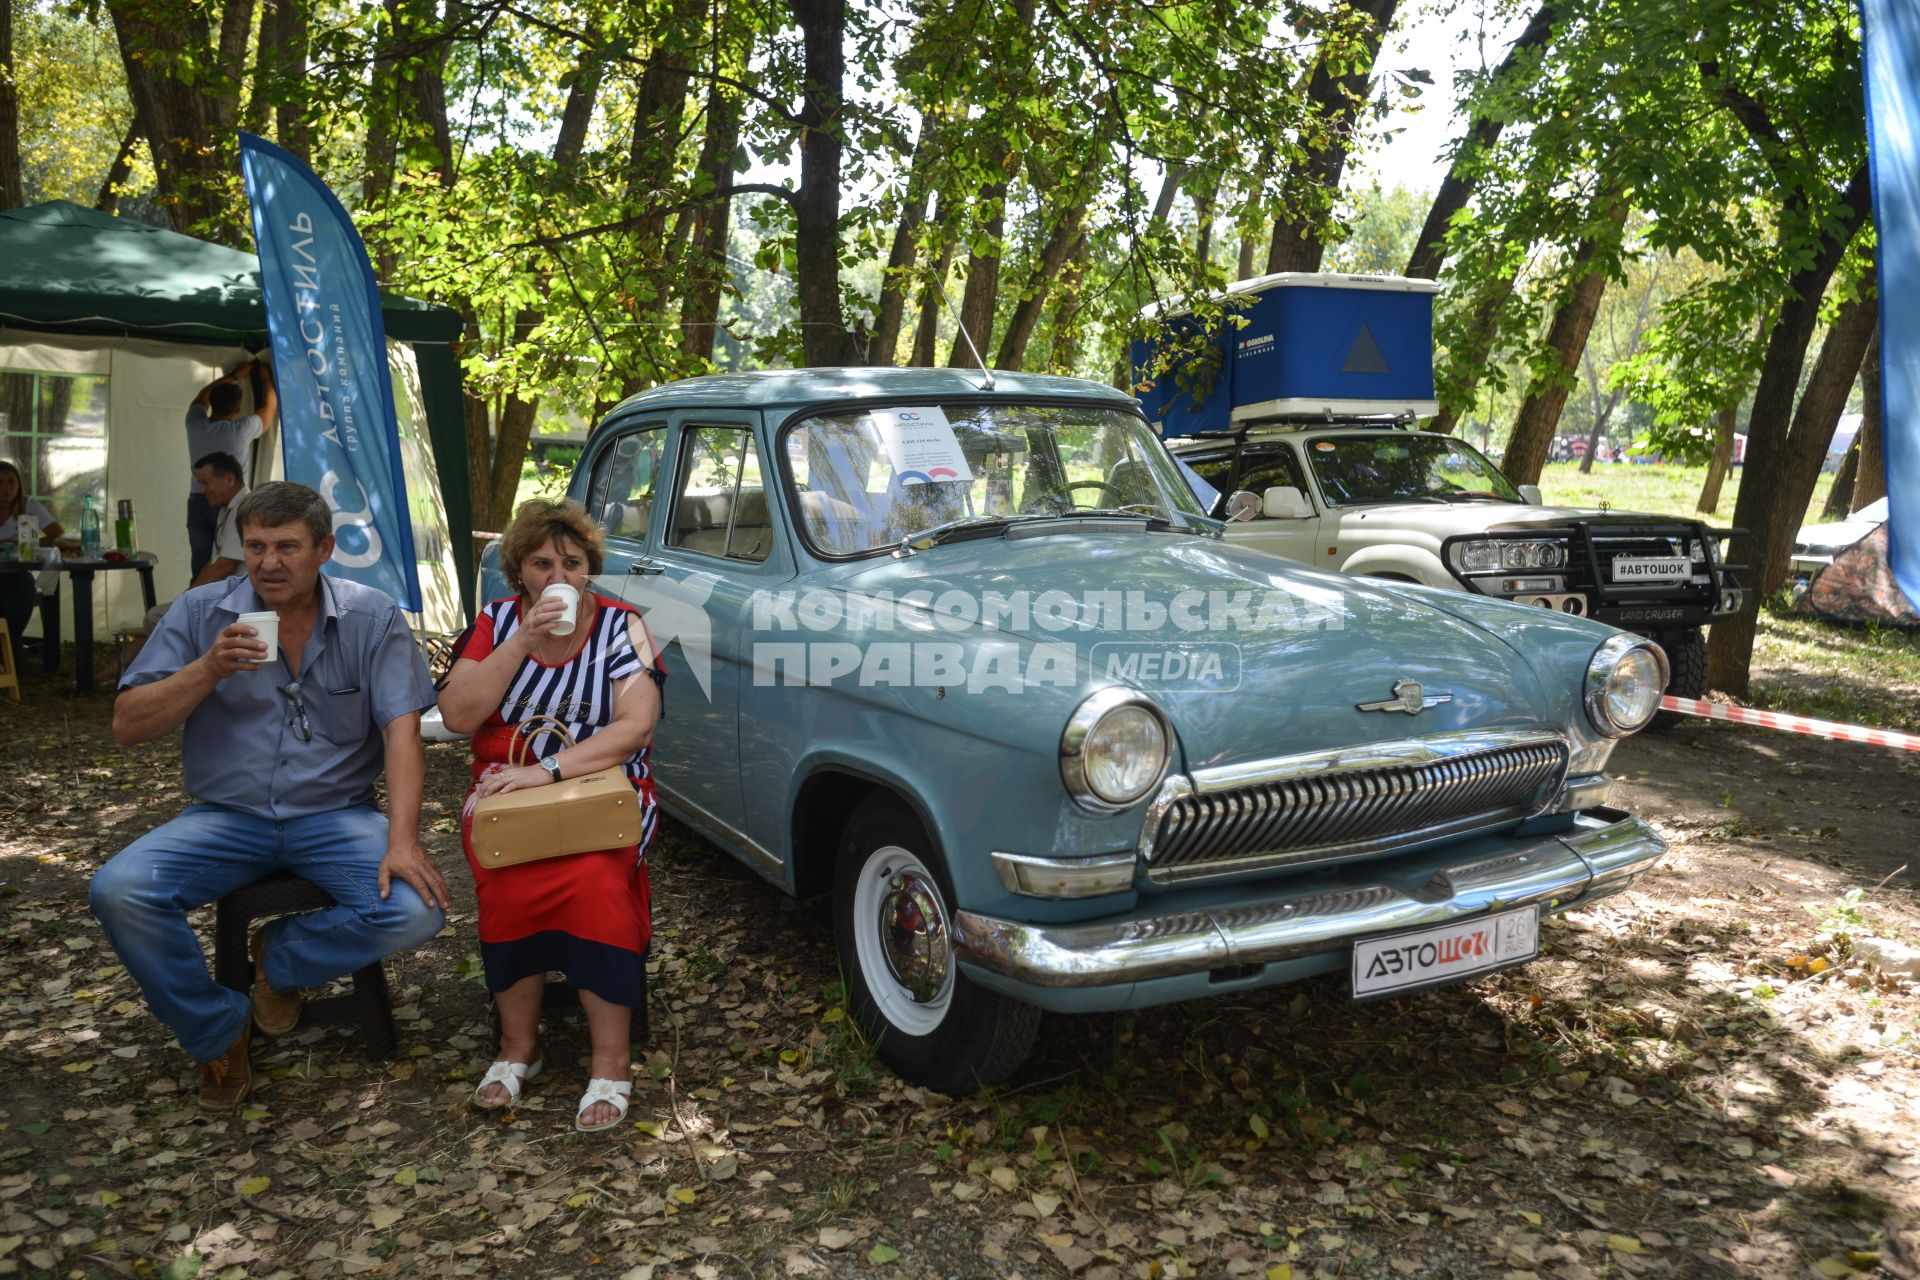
x: 123, y: 536
x: 90, y: 530
x: 28, y: 531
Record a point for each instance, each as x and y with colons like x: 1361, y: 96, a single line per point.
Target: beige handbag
x: 576, y: 815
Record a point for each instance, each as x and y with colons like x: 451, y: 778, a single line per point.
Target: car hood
x: 1299, y: 649
x: 1446, y: 520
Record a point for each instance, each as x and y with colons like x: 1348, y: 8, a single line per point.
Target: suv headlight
x: 1479, y: 557
x: 1114, y: 750
x: 1625, y: 678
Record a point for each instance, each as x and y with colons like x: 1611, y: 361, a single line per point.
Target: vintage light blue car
x: 965, y: 653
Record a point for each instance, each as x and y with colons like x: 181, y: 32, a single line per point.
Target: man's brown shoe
x: 228, y: 1078
x: 274, y: 1012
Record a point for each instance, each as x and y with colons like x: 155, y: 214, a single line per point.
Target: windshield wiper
x: 1465, y: 495
x: 925, y: 538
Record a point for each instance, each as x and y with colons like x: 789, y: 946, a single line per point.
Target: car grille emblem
x: 1409, y: 697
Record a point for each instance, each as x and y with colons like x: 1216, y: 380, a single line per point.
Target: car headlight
x: 1625, y: 678
x: 1114, y: 750
x: 1479, y: 557
x: 1535, y: 555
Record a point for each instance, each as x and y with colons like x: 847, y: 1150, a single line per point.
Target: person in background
x: 586, y: 915
x: 219, y: 478
x: 223, y: 483
x: 280, y: 756
x: 18, y: 595
x: 216, y: 425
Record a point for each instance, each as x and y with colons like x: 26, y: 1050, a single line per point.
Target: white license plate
x: 1433, y: 957
x: 1652, y: 568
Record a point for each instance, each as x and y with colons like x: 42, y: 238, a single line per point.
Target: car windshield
x: 1403, y: 466
x: 867, y: 479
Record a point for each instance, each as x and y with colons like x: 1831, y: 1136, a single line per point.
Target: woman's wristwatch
x: 552, y: 765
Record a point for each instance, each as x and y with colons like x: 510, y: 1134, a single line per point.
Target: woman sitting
x: 586, y: 914
x: 18, y: 595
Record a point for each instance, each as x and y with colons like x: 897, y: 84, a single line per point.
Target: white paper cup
x: 267, y: 623
x: 571, y: 596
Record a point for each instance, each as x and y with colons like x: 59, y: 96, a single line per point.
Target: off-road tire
x: 967, y: 1037
x: 1687, y: 671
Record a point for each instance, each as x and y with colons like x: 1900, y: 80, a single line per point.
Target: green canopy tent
x: 107, y: 329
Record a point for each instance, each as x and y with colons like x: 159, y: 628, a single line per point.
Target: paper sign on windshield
x: 920, y: 444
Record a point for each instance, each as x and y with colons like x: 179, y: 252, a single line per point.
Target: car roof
x: 777, y: 387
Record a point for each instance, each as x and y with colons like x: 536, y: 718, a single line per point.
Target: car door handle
x: 644, y: 568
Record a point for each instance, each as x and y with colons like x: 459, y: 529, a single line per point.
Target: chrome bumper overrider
x: 1602, y: 855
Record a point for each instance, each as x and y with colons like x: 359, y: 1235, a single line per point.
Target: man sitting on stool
x: 281, y: 755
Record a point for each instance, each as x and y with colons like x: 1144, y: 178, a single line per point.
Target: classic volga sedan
x: 963, y: 652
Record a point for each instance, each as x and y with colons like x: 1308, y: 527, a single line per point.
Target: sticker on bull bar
x: 1433, y: 957
x: 1652, y: 568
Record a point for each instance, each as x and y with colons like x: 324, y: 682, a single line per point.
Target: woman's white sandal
x: 613, y: 1092
x: 509, y: 1076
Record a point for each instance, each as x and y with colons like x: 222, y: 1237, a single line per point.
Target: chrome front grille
x: 1336, y: 805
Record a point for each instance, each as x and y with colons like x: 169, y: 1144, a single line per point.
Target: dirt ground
x: 1697, y: 1079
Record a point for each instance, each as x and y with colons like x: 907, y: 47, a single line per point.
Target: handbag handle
x: 524, y: 740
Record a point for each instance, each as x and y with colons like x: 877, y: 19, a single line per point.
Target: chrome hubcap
x: 913, y: 935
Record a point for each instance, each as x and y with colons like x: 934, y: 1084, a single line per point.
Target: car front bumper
x: 1293, y: 934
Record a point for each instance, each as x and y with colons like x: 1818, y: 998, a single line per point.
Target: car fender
x: 1417, y: 563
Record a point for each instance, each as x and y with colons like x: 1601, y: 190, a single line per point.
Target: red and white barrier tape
x: 1792, y: 724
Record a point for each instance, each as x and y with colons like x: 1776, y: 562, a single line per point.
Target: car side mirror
x: 1242, y: 506
x: 1284, y: 502
x: 1530, y: 494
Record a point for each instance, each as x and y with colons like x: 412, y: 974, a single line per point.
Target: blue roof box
x: 1312, y: 346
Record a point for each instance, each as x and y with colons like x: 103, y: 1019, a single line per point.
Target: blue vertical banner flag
x: 340, y: 434
x: 1890, y: 30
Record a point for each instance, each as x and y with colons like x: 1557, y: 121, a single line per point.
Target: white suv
x: 1370, y: 497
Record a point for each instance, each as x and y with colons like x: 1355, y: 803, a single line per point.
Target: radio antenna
x: 966, y: 337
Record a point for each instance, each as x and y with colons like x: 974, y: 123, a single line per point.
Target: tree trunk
x: 1169, y: 190
x: 509, y: 454
x: 423, y: 43
x: 982, y: 292
x: 1313, y: 183
x: 1066, y: 314
x: 1026, y: 316
x: 707, y: 272
x: 1430, y: 251
x: 1599, y: 432
x: 1840, y: 496
x: 1811, y: 434
x: 290, y: 117
x: 117, y: 172
x: 12, y: 194
x: 236, y: 30
x: 1539, y: 414
x: 1203, y: 214
x: 1763, y: 506
x: 824, y: 337
x: 926, y: 329
x: 192, y: 150
x: 1722, y: 461
x: 1870, y: 483
x: 891, y: 312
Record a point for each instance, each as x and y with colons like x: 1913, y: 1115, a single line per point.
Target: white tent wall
x: 149, y: 386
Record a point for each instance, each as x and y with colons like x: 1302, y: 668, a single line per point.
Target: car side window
x: 1215, y: 469
x: 625, y: 478
x: 720, y: 503
x: 1270, y: 469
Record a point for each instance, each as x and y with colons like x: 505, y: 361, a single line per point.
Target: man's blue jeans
x: 142, y: 896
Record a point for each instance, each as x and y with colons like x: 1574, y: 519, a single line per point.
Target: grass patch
x: 1862, y: 675
x: 1659, y: 488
